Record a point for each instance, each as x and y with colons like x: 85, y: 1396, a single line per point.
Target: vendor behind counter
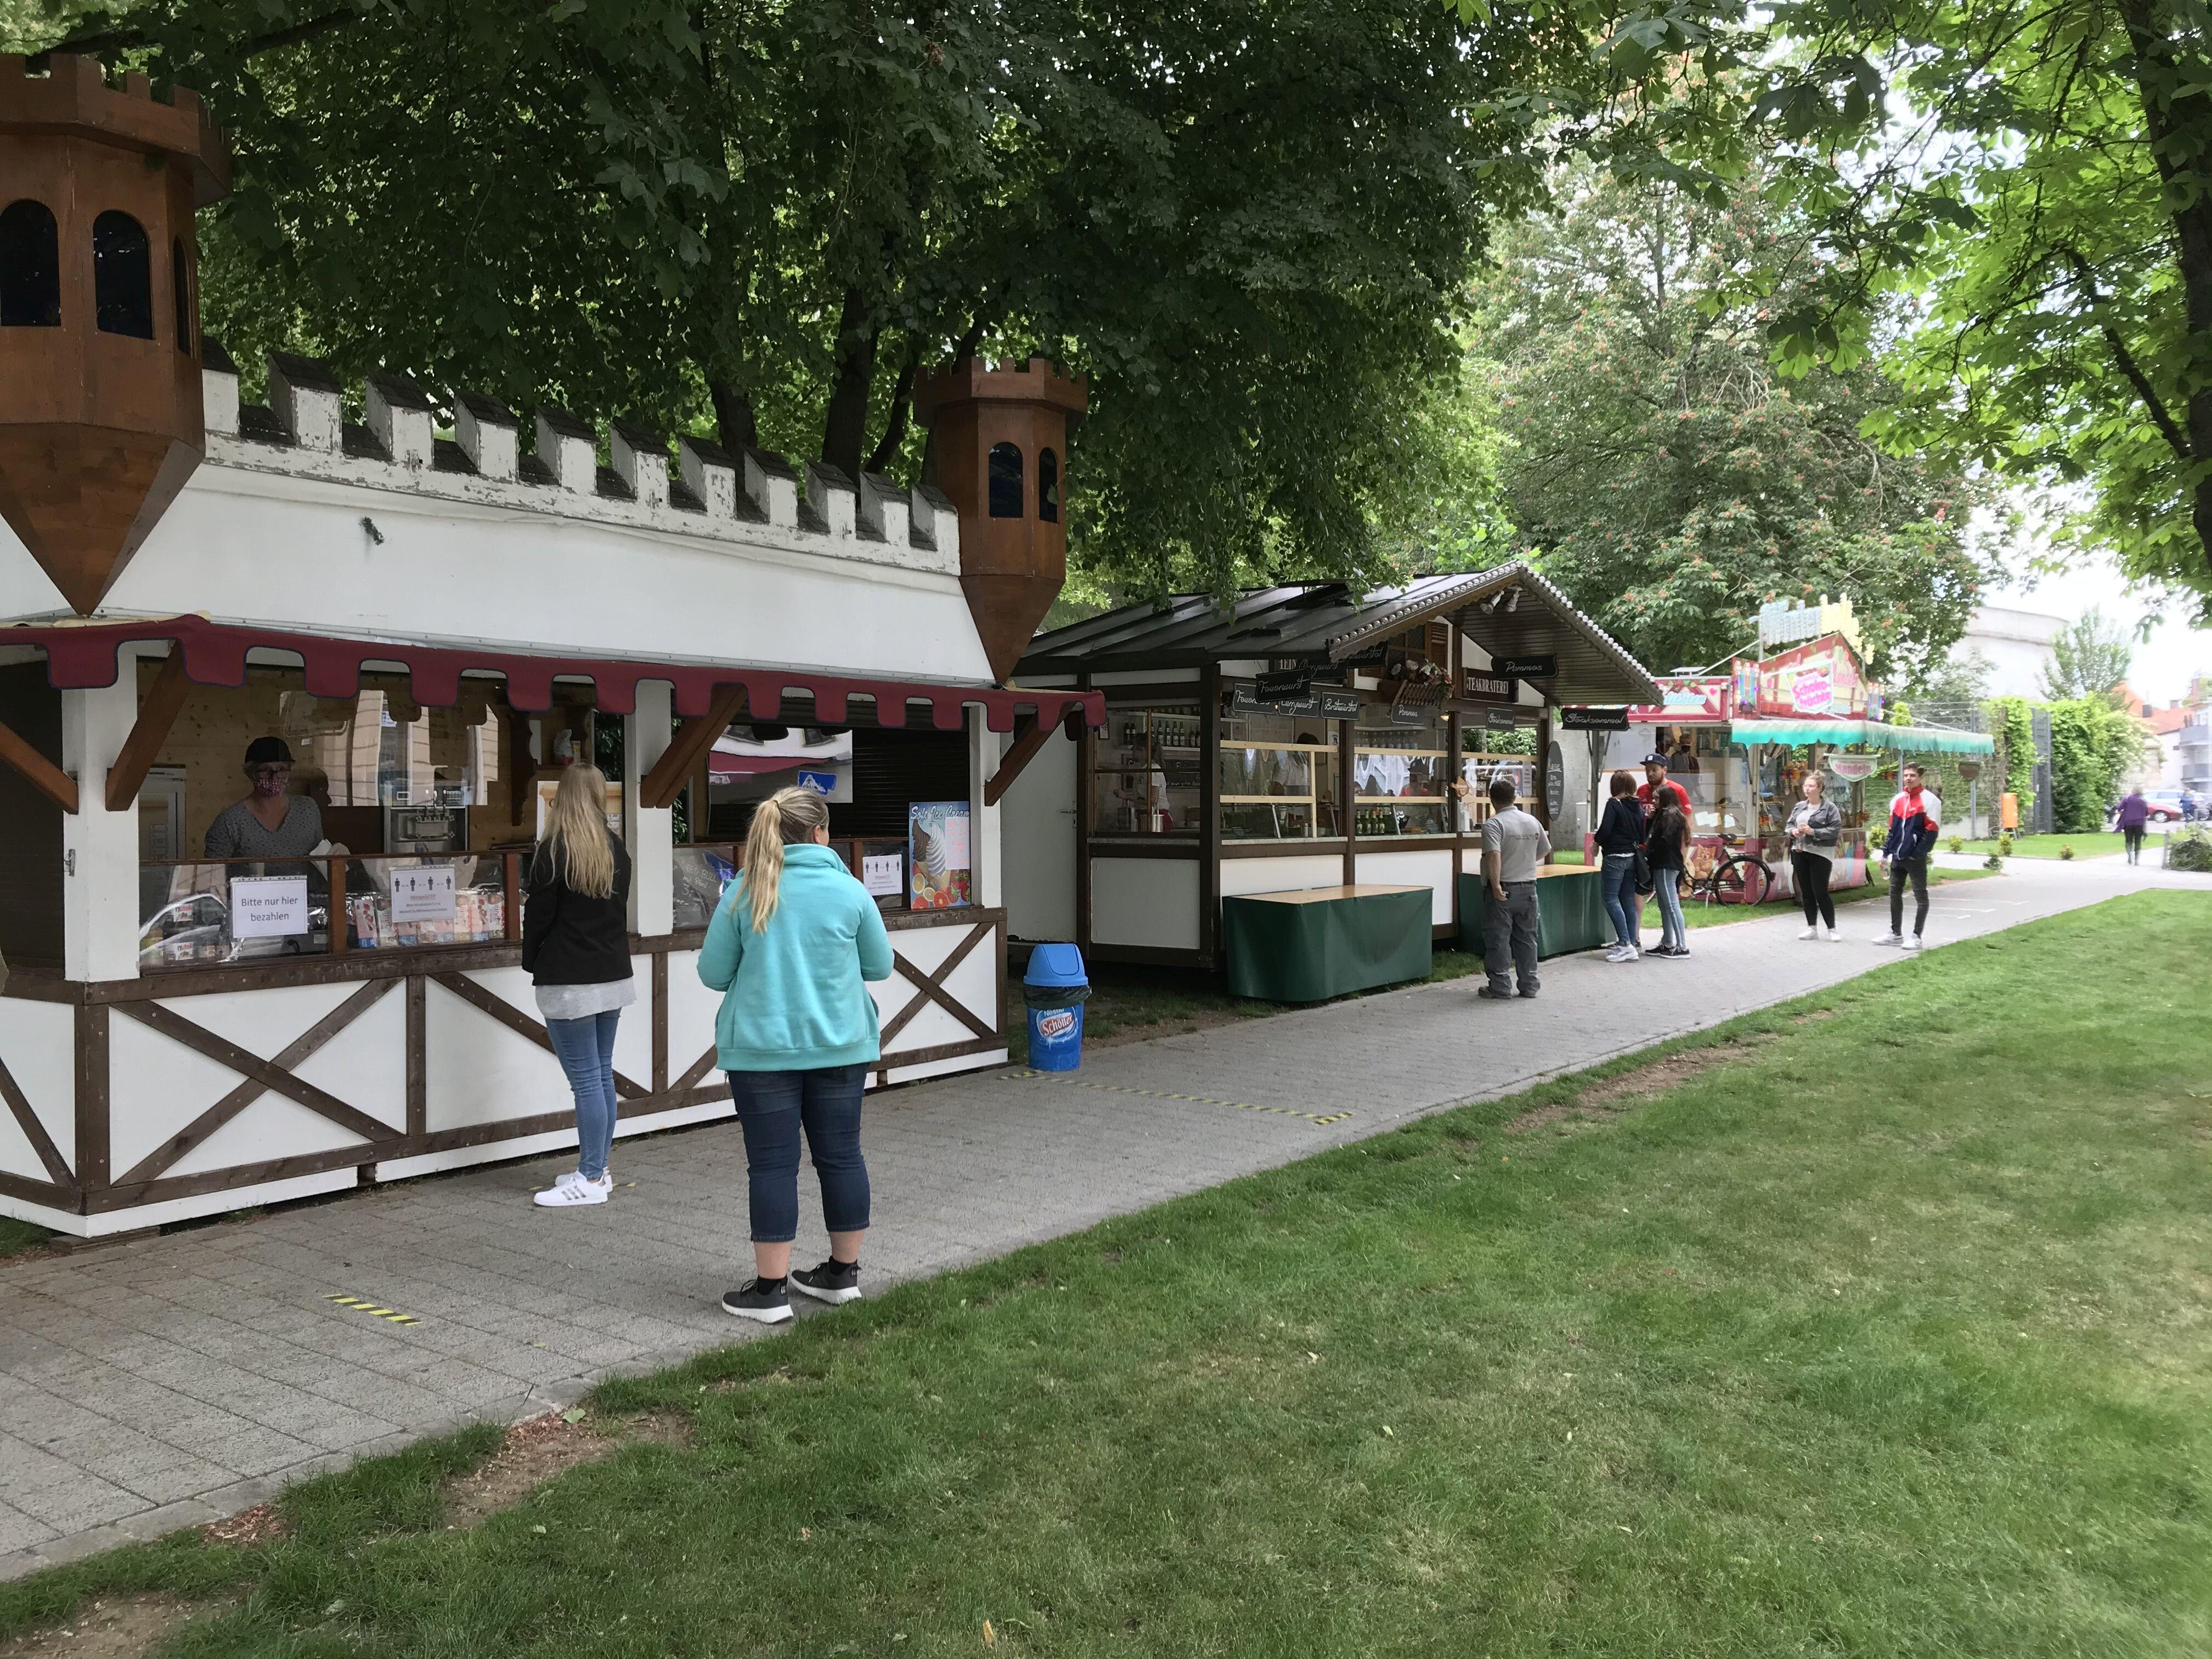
x: 269, y: 822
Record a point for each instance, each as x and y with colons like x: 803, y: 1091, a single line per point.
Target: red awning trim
x: 84, y: 657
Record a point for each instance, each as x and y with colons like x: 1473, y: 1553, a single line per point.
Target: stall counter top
x: 1318, y: 895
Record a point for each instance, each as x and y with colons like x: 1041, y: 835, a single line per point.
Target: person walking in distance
x: 1619, y: 837
x: 1666, y: 850
x: 791, y: 948
x: 575, y: 948
x: 1514, y: 848
x: 1915, y: 817
x: 2134, y: 813
x: 1815, y: 827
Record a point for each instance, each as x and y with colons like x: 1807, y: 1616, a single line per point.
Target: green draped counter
x: 1570, y: 911
x: 1325, y: 941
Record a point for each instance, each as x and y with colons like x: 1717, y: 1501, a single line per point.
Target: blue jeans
x: 772, y: 1109
x: 1622, y: 907
x: 586, y: 1049
x: 1671, y: 930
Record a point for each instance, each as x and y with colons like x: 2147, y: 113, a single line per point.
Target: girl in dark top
x: 1666, y: 846
x: 575, y: 947
x: 1815, y: 827
x: 1620, y: 833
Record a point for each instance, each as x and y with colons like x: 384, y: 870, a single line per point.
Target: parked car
x: 2165, y: 806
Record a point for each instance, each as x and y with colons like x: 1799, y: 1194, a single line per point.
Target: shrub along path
x: 1880, y: 1329
x: 149, y: 1385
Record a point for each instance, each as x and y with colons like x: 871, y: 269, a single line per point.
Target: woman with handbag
x: 1619, y: 842
x: 1666, y: 845
x: 791, y: 947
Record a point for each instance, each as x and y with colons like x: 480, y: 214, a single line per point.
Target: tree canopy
x: 1662, y: 471
x: 2088, y: 659
x: 1249, y: 222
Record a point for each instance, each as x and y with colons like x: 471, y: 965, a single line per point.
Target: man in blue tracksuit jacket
x: 1912, y: 830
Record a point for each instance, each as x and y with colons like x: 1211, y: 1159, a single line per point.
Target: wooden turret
x: 100, y: 414
x: 1001, y: 437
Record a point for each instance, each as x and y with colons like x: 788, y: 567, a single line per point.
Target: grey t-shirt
x: 237, y: 834
x: 1520, y: 842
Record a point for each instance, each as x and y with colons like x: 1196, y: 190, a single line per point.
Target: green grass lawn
x: 1890, y: 1333
x: 17, y: 1237
x: 2094, y: 845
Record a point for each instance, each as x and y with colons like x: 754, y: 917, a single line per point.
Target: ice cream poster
x: 939, y: 864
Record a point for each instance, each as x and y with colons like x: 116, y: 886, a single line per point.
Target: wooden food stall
x: 434, y: 611
x: 1302, y: 739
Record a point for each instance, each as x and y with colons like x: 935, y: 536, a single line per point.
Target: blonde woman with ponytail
x: 575, y: 947
x: 791, y: 947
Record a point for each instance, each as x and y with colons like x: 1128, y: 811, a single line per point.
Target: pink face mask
x: 270, y: 782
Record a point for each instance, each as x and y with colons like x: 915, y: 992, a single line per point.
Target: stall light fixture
x: 1512, y: 600
x: 1491, y: 604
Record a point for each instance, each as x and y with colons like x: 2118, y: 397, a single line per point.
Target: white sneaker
x: 1912, y: 943
x: 572, y: 1190
x: 1620, y: 953
x: 1834, y: 938
x: 1889, y: 938
x: 1810, y: 933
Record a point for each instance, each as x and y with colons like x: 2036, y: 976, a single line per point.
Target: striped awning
x: 1871, y: 734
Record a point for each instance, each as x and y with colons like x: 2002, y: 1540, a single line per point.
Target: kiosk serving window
x: 1145, y: 778
x: 1279, y: 778
x: 1401, y: 773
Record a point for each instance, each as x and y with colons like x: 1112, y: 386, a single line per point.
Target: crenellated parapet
x: 749, y: 498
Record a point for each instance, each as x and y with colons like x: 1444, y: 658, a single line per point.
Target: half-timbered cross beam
x: 41, y: 773
x: 156, y: 714
x: 692, y: 740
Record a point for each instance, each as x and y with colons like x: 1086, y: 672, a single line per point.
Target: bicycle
x: 1740, y: 879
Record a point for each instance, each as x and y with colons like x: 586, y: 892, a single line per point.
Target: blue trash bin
x: 1056, y: 988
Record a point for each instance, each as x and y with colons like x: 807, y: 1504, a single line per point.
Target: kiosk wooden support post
x: 156, y: 714
x: 41, y: 773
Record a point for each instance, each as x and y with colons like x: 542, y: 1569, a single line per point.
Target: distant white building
x: 2017, y: 644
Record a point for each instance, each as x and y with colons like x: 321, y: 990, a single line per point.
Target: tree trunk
x: 2168, y: 113
x: 887, y: 447
x: 845, y: 426
x: 733, y: 417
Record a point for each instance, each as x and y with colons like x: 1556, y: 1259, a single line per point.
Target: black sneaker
x: 832, y: 1281
x: 750, y: 1301
x: 1489, y: 996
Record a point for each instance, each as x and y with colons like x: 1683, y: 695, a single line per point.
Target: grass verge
x: 2094, y: 845
x: 1888, y: 1332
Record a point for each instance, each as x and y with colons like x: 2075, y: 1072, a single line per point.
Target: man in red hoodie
x: 1912, y: 829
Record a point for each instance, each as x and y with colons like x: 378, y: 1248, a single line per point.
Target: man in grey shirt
x: 1514, y: 848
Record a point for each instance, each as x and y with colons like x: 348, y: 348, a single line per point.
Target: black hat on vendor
x: 267, y: 751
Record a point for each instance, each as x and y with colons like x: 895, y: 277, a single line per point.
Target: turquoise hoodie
x: 793, y: 999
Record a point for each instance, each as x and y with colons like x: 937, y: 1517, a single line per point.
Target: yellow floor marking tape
x: 1160, y: 1094
x: 361, y: 1304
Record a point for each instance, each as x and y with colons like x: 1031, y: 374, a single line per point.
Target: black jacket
x: 1620, y: 831
x: 570, y: 939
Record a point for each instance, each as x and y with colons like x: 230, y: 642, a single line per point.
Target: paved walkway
x: 150, y: 1385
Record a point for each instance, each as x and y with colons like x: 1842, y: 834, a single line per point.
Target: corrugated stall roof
x: 1510, y: 612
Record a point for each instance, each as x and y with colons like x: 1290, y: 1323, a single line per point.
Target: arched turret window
x: 122, y: 276
x: 1005, y: 481
x: 30, y: 266
x: 181, y: 279
x: 1048, y: 486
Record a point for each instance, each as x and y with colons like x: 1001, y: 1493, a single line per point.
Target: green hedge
x: 2092, y: 745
